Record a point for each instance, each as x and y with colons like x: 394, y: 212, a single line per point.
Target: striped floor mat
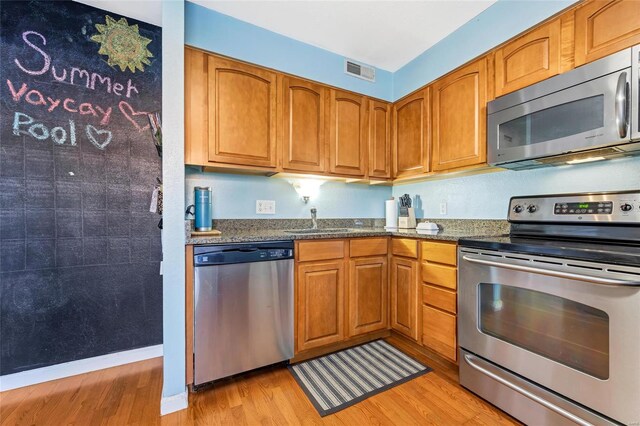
x: 336, y: 381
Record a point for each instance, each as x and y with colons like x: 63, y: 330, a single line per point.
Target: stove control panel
x: 611, y: 207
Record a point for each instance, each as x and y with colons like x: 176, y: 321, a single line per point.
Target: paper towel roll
x: 391, y: 213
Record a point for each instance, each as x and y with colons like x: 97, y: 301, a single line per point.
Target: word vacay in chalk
x: 75, y: 76
x: 26, y: 125
x: 35, y: 97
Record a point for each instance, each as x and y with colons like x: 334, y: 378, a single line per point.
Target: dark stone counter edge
x: 273, y: 235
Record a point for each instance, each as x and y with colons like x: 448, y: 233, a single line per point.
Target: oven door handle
x: 472, y: 361
x: 553, y: 273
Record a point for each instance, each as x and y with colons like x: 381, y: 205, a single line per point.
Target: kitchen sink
x: 318, y: 231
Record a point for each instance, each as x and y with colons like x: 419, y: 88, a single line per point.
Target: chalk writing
x: 76, y: 76
x: 23, y: 124
x: 40, y: 132
x: 35, y: 97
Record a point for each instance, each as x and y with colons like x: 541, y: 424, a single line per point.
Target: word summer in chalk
x: 26, y: 125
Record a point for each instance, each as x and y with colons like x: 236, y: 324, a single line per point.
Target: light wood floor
x: 130, y: 394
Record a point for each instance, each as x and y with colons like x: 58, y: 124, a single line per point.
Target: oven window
x: 553, y: 123
x: 565, y: 331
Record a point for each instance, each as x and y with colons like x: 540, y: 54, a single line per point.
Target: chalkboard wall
x: 79, y: 250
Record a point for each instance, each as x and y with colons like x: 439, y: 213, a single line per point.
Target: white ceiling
x: 149, y: 11
x: 385, y: 34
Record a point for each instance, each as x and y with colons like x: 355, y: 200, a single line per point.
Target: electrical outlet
x: 443, y: 208
x: 265, y: 207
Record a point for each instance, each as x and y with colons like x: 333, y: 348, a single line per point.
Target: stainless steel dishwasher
x: 243, y: 308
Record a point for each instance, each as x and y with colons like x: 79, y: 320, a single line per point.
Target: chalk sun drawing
x: 123, y: 44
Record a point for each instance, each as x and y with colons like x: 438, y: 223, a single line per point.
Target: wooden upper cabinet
x: 242, y: 114
x: 303, y: 125
x: 368, y: 295
x: 347, y: 133
x: 320, y: 307
x: 379, y: 139
x: 528, y: 59
x: 404, y: 296
x: 605, y: 27
x: 411, y: 134
x: 196, y: 107
x: 460, y: 117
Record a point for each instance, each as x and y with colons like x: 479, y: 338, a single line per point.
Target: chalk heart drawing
x: 95, y: 135
x: 129, y: 113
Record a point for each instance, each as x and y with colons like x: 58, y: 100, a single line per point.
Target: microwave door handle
x: 621, y: 105
x: 553, y: 273
x: 472, y: 361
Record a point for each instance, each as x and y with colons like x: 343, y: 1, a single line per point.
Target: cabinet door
x: 439, y: 332
x: 404, y: 296
x: 368, y: 295
x: 196, y: 130
x: 303, y: 115
x: 605, y: 27
x: 242, y: 114
x: 347, y: 133
x: 528, y: 59
x: 460, y: 117
x: 411, y: 134
x: 379, y: 139
x: 320, y: 304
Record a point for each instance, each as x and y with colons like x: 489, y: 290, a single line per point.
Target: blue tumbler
x: 203, y: 208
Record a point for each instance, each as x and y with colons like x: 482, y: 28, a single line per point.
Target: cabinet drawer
x: 443, y: 276
x: 368, y: 247
x: 439, y: 332
x: 404, y: 247
x: 439, y: 252
x: 439, y: 298
x: 320, y: 250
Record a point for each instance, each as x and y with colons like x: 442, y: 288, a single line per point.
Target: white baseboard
x: 67, y: 369
x: 173, y: 403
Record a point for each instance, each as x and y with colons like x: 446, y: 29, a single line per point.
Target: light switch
x: 265, y: 207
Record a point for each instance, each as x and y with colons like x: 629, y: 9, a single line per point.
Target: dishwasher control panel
x: 242, y: 253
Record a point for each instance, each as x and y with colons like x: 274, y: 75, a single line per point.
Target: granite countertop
x: 257, y: 230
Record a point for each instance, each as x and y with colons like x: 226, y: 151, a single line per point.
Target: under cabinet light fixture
x: 307, y: 188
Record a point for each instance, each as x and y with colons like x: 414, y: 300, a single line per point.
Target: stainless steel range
x: 549, y: 316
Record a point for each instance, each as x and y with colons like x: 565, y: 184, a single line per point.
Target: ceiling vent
x: 358, y: 70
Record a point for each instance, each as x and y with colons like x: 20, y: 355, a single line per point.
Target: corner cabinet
x: 528, y: 59
x: 303, y: 125
x: 411, y: 135
x: 347, y: 133
x: 459, y: 117
x: 379, y: 139
x: 603, y: 27
x: 242, y: 113
x: 320, y: 293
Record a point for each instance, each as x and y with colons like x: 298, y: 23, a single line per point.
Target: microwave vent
x: 358, y: 70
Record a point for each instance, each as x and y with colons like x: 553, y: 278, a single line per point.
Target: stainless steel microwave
x: 589, y: 113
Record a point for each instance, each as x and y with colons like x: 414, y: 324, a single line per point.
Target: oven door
x: 570, y: 326
x: 586, y: 116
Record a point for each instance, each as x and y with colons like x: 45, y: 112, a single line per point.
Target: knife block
x: 409, y: 221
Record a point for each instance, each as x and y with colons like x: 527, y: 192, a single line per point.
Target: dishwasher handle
x: 241, y: 255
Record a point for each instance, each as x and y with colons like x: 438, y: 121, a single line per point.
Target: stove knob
x: 517, y: 208
x: 626, y: 207
x: 532, y: 209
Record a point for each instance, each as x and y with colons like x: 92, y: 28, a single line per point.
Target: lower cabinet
x: 404, y: 296
x: 320, y: 304
x: 439, y: 331
x: 368, y: 295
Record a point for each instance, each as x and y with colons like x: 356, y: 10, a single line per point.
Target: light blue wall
x: 487, y: 196
x: 493, y: 26
x: 215, y: 32
x: 234, y: 197
x: 173, y: 238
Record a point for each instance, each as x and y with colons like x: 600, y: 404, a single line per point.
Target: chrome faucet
x: 314, y: 219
